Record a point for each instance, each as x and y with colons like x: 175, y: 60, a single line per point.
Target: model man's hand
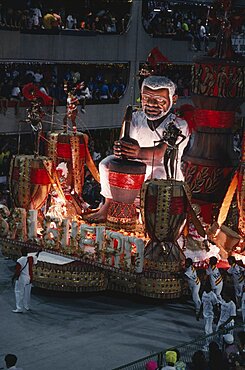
x: 126, y: 149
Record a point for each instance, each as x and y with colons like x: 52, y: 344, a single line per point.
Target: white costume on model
x: 194, y: 285
x: 23, y: 285
x: 146, y: 137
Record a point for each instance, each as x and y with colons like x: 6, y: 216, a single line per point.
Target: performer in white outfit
x: 215, y: 277
x: 227, y: 314
x: 237, y: 273
x: 23, y: 283
x: 243, y: 306
x: 193, y: 282
x: 209, y: 308
x: 148, y: 128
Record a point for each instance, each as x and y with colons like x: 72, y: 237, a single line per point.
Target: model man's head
x: 158, y: 96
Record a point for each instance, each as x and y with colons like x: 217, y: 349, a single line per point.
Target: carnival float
x: 138, y: 250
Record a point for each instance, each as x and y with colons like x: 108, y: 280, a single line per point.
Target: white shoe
x: 239, y: 309
x: 27, y: 308
x: 17, y: 311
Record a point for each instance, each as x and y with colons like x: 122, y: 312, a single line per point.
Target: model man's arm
x: 134, y: 151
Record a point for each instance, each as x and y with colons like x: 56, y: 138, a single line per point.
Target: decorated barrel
x: 125, y: 178
x: 208, y: 165
x: 68, y: 153
x: 30, y: 180
x: 164, y: 205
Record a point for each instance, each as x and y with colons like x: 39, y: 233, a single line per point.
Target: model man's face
x: 156, y: 103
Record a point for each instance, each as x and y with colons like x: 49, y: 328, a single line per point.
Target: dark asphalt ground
x: 98, y: 331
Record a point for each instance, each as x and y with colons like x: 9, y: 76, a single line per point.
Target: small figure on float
x: 72, y: 104
x: 147, y: 129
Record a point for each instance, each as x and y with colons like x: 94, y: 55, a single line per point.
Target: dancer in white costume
x: 193, y: 282
x: 148, y: 128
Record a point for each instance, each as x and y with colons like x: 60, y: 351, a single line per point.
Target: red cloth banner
x: 37, y: 176
x: 126, y: 181
x: 64, y: 150
x: 214, y: 118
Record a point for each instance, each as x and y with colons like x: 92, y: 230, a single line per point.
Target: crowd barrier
x: 186, y: 350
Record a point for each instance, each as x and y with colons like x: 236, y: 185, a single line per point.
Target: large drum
x: 69, y: 152
x: 164, y: 205
x: 30, y: 180
x: 125, y: 178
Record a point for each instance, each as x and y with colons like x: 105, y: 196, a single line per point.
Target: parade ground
x: 96, y: 331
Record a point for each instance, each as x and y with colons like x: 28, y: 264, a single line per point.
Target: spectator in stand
x: 199, y: 361
x: 230, y: 350
x: 38, y: 76
x: 83, y: 94
x: 171, y: 358
x: 216, y: 360
x: 151, y: 365
x: 117, y: 88
x: 5, y: 92
x: 3, y: 20
x: 179, y: 364
x: 10, y: 361
x: 51, y: 20
x: 35, y: 19
x: 202, y: 36
x: 71, y: 22
x: 16, y: 96
x: 104, y: 91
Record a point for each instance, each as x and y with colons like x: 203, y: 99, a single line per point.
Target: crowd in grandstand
x: 92, y: 16
x: 192, y: 22
x: 100, y: 85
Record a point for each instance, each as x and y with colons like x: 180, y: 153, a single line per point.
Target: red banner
x: 213, y: 118
x: 64, y: 150
x: 126, y: 181
x: 37, y: 176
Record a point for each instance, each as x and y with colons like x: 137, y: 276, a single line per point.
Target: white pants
x: 217, y: 290
x: 22, y: 292
x: 195, y: 296
x: 157, y: 172
x: 238, y: 290
x: 208, y: 324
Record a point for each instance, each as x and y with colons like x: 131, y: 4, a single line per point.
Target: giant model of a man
x: 147, y: 128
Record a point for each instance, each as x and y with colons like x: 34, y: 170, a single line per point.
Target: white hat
x: 228, y: 338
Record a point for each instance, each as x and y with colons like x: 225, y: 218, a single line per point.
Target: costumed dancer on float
x: 23, y: 280
x: 215, y: 277
x: 147, y: 128
x: 194, y: 283
x: 237, y: 273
